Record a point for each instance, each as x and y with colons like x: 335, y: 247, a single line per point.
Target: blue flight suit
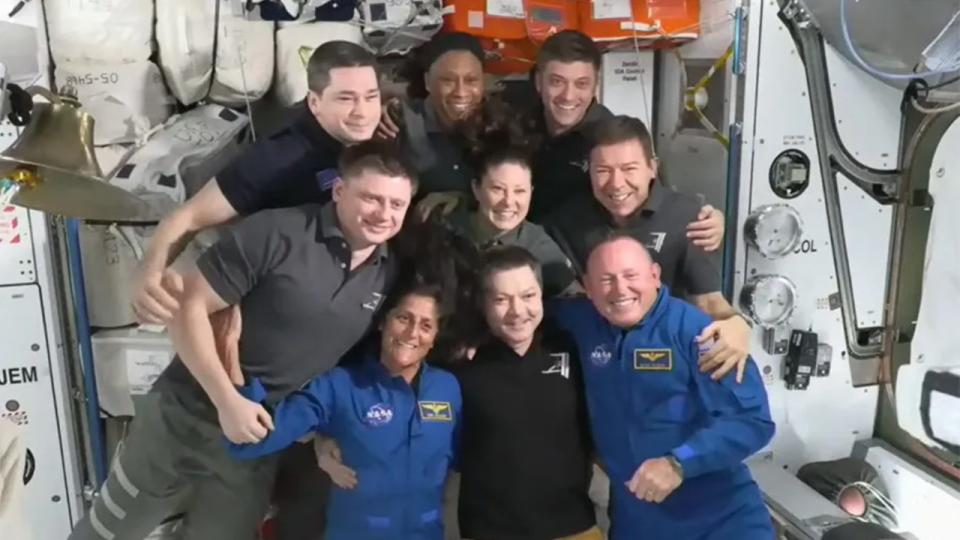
x: 647, y: 399
x: 399, y: 439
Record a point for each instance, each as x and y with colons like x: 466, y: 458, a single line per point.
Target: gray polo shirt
x: 558, y: 272
x: 302, y: 307
x: 661, y: 224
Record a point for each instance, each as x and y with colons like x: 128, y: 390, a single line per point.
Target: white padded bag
x: 295, y: 44
x: 396, y: 26
x: 126, y: 100
x: 185, y: 36
x: 186, y: 152
x: 244, y: 59
x: 112, y: 31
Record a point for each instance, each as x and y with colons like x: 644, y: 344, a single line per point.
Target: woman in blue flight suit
x: 396, y: 419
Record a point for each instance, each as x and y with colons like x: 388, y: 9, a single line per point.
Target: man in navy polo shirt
x: 292, y: 167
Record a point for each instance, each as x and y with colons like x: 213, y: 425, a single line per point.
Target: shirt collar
x: 463, y: 223
x: 655, y: 198
x: 501, y: 351
x: 330, y: 228
x: 431, y: 118
x: 380, y: 373
x: 595, y: 112
x: 314, y: 131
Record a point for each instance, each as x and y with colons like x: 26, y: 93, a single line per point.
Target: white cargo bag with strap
x: 112, y: 31
x: 126, y: 100
x: 396, y: 26
x: 185, y: 36
x: 182, y: 155
x: 172, y: 165
x: 295, y: 44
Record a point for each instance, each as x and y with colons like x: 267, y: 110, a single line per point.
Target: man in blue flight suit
x: 672, y: 440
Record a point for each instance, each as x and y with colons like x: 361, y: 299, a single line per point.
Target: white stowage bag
x: 174, y: 162
x: 126, y: 100
x: 112, y: 31
x: 244, y: 59
x: 185, y: 36
x: 295, y: 44
x: 186, y: 152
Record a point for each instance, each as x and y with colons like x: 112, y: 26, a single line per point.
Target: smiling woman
x: 389, y: 405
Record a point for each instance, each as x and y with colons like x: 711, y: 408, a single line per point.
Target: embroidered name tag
x: 435, y: 411
x: 652, y: 359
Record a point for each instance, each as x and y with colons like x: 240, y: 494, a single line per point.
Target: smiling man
x: 672, y: 440
x: 628, y: 197
x: 309, y: 281
x: 289, y: 168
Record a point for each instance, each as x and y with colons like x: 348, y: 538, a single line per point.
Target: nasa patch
x: 379, y: 415
x: 327, y: 178
x: 600, y: 356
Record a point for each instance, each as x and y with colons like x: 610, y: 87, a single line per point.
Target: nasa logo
x: 600, y: 356
x: 379, y: 415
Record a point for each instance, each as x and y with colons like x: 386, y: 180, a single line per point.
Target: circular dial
x: 790, y: 173
x: 768, y: 300
x: 773, y: 230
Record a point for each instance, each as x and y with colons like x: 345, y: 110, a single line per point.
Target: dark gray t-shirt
x: 302, y: 307
x: 558, y: 271
x: 661, y: 224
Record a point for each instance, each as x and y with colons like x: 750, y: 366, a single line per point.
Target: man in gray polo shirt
x: 309, y: 281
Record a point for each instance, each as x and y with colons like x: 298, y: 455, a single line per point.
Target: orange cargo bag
x: 613, y: 20
x: 498, y: 19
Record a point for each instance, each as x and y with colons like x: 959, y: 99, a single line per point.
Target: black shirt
x: 525, y: 448
x: 560, y: 167
x: 302, y: 306
x: 294, y: 166
x: 661, y: 224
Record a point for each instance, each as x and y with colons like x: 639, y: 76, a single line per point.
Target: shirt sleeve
x: 740, y: 423
x: 310, y: 409
x: 249, y: 181
x: 700, y: 271
x: 558, y: 271
x: 244, y: 254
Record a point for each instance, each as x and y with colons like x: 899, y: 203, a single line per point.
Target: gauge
x: 790, y: 174
x: 774, y: 230
x: 769, y: 300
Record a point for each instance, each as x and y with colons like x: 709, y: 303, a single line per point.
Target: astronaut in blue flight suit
x: 672, y: 440
x: 397, y: 421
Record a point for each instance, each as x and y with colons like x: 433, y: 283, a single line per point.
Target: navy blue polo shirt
x: 294, y: 166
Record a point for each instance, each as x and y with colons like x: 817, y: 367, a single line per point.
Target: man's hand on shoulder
x: 725, y: 345
x: 707, y: 231
x: 156, y: 295
x: 389, y: 127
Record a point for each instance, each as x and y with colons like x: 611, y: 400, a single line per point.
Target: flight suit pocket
x: 747, y: 395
